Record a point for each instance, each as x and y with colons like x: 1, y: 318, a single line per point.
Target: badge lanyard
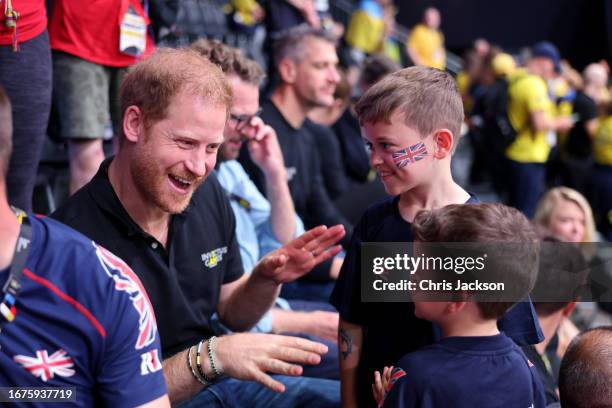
x: 11, y: 16
x: 13, y: 283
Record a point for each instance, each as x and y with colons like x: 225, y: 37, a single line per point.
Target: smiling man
x: 150, y: 205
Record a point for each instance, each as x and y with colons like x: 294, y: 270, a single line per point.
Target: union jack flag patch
x: 410, y: 154
x: 396, y: 374
x: 47, y: 366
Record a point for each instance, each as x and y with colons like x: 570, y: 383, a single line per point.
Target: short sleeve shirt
x: 527, y: 95
x: 83, y: 320
x: 183, y: 281
x: 466, y: 372
x: 391, y: 329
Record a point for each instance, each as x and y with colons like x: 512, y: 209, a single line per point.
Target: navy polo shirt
x: 390, y: 330
x: 184, y: 279
x: 470, y: 372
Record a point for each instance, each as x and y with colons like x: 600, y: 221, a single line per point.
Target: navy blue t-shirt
x: 391, y: 329
x: 83, y: 320
x: 470, y: 372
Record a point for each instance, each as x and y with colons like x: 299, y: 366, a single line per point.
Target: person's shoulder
x: 77, y: 206
x: 380, y: 210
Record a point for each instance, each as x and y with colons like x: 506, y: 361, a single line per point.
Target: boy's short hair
x: 6, y: 132
x: 231, y: 60
x: 487, y: 223
x: 586, y: 370
x: 428, y: 98
x: 563, y: 270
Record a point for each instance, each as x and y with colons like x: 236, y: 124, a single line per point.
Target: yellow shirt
x: 429, y: 46
x: 602, y: 144
x: 365, y: 32
x: 528, y: 94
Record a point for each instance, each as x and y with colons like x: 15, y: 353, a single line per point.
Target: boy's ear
x: 133, y: 123
x: 287, y: 70
x: 454, y: 307
x: 443, y: 143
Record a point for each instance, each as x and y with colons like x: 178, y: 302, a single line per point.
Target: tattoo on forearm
x: 346, y: 344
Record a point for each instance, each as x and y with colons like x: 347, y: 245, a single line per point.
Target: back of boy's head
x: 511, y: 248
x: 562, y: 272
x: 427, y: 98
x: 586, y: 370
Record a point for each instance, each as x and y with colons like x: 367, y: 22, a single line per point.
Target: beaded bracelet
x: 211, y: 358
x: 199, y: 362
x: 193, y: 371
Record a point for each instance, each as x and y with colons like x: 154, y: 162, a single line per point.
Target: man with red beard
x: 149, y: 206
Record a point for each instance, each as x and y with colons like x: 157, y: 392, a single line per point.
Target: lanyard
x: 13, y: 283
x: 11, y: 16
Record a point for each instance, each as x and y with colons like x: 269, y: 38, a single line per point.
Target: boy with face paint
x: 411, y: 121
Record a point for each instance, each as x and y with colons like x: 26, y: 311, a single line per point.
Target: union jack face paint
x: 411, y: 154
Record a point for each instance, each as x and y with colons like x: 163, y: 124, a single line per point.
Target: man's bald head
x: 586, y: 370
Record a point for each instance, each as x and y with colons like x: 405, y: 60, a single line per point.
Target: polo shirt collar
x: 106, y: 198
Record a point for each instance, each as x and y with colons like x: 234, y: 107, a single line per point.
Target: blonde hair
x: 428, y: 98
x: 550, y: 201
x: 153, y: 83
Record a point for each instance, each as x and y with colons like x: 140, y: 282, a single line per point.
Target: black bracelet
x: 211, y: 358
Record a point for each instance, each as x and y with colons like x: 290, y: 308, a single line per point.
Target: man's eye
x: 368, y: 146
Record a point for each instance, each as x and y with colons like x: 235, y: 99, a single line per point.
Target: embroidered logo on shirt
x: 47, y: 366
x: 214, y: 257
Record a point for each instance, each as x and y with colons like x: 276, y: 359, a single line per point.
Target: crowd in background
x: 537, y: 132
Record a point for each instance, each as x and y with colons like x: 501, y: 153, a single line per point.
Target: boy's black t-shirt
x: 579, y: 144
x: 391, y: 329
x: 470, y: 372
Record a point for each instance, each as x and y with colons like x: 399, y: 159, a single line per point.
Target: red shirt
x: 32, y: 20
x: 89, y: 29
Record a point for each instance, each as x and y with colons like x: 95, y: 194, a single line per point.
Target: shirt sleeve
x: 537, y: 95
x: 520, y: 323
x: 402, y: 392
x: 130, y: 368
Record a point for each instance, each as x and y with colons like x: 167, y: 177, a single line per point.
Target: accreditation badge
x: 132, y: 33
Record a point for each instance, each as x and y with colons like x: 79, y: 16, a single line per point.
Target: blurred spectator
x: 489, y: 119
x: 567, y: 216
x: 531, y: 114
x: 199, y: 19
x: 391, y: 47
x: 307, y: 63
x: 586, y: 369
x: 25, y: 73
x: 562, y: 272
x: 425, y: 43
x: 366, y: 29
x: 87, y: 73
x: 601, y: 183
x: 577, y: 150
